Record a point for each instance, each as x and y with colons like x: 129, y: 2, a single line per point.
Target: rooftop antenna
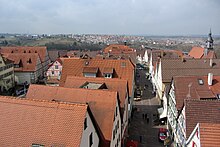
x: 188, y: 96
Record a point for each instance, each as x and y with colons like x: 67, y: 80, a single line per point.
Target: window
x: 37, y: 145
x: 200, y: 81
x: 52, y: 72
x: 113, y: 134
x: 90, y: 140
x: 116, y: 112
x: 85, y: 123
x: 108, y: 75
x: 123, y: 64
x: 0, y: 62
x: 56, y: 66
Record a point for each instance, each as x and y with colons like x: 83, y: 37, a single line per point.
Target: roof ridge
x: 44, y: 101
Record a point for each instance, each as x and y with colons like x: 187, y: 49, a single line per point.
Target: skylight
x: 200, y: 81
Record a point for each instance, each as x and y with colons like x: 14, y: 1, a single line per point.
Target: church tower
x: 209, y: 44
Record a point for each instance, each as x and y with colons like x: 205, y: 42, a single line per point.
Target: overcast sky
x: 150, y: 17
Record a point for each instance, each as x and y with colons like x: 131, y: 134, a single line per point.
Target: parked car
x: 162, y: 134
x: 138, y: 93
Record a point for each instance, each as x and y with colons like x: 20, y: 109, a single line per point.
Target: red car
x: 162, y: 134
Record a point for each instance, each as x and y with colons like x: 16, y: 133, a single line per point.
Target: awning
x: 160, y: 110
x: 162, y: 113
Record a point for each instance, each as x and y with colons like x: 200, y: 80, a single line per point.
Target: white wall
x: 125, y: 116
x: 146, y: 58
x: 86, y: 133
x: 118, y: 136
x: 193, y: 138
x: 22, y: 77
x: 57, y: 72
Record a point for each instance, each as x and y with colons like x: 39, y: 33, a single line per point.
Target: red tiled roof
x: 26, y: 122
x: 188, y: 67
x: 197, y: 91
x: 209, y: 134
x: 53, y: 54
x: 101, y: 102
x: 118, y: 85
x: 117, y: 51
x: 108, y: 70
x: 200, y: 111
x: 123, y: 69
x: 165, y: 54
x: 90, y: 70
x: 117, y: 48
x: 28, y: 61
x: 60, y: 60
x: 196, y: 52
x: 211, y: 55
x: 42, y: 51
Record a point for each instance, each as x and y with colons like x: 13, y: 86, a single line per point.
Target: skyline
x: 130, y: 17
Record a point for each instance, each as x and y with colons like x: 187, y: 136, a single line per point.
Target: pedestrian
x: 140, y: 139
x: 143, y: 115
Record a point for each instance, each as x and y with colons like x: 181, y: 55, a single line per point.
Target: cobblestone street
x: 141, y: 129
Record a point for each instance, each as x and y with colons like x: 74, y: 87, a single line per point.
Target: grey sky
x: 152, y: 17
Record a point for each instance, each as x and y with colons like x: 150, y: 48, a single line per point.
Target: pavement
x: 140, y: 129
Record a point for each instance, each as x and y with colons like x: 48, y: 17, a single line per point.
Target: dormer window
x: 123, y: 64
x: 90, y: 71
x: 86, y: 63
x: 18, y: 65
x: 37, y: 145
x: 108, y: 75
x: 108, y: 72
x: 200, y: 81
x: 29, y: 61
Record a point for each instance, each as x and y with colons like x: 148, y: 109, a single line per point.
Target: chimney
x: 210, y: 78
x: 205, y: 52
x: 161, y: 54
x: 210, y: 62
x: 182, y: 59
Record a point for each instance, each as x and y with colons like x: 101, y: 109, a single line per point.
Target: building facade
x: 6, y: 74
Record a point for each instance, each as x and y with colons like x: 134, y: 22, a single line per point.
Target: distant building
x: 54, y: 71
x: 41, y: 51
x: 27, y: 67
x: 207, y: 52
x: 101, y: 68
x: 6, y: 74
x: 118, y: 51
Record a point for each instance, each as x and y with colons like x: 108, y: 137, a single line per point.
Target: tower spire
x: 209, y: 41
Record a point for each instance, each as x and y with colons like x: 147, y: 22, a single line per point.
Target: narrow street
x: 142, y: 129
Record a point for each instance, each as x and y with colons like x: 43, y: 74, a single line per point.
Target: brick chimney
x: 210, y: 78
